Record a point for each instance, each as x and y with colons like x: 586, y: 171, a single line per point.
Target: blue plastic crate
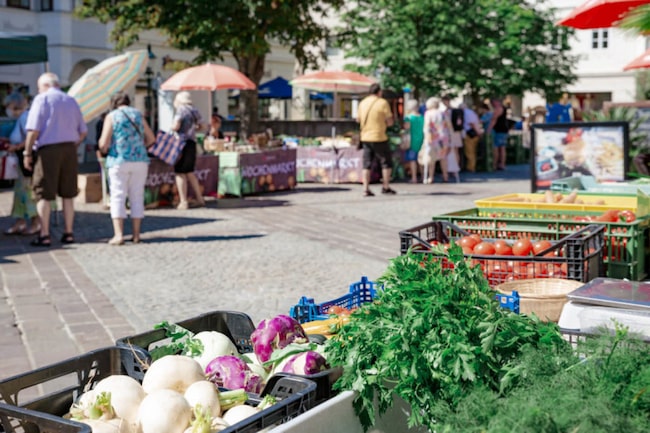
x: 511, y: 302
x: 306, y: 310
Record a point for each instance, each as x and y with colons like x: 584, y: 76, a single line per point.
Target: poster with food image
x: 563, y: 150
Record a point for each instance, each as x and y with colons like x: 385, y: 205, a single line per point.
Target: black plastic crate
x: 66, y: 380
x: 578, y: 255
x: 52, y: 389
x: 296, y: 395
x: 235, y: 325
x: 238, y: 327
x: 15, y: 419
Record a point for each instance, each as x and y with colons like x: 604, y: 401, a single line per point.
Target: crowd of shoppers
x: 446, y: 129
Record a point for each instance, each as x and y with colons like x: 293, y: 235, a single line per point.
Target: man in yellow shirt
x: 374, y: 116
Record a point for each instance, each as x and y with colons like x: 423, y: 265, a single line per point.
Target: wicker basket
x: 543, y: 296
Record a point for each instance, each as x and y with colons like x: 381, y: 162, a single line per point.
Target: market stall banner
x: 161, y: 190
x: 344, y: 165
x: 268, y: 171
x: 315, y: 164
x: 350, y: 166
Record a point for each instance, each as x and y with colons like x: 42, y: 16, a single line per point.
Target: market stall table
x: 257, y: 172
x: 160, y: 189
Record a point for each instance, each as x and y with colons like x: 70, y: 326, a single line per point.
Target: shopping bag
x: 9, y: 167
x: 168, y: 147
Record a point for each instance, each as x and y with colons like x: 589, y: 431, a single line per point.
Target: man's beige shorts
x: 55, y: 172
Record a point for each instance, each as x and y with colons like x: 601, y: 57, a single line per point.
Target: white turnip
x: 164, y: 411
x: 239, y: 413
x: 205, y: 395
x: 204, y: 423
x: 214, y: 344
x: 175, y: 372
x: 114, y: 425
x: 126, y: 395
x: 93, y: 405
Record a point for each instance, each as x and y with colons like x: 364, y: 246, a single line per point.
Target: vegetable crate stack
x: 119, y: 389
x: 626, y: 250
x: 228, y: 344
x: 505, y: 256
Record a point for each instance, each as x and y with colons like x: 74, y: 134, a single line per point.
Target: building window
x: 46, y: 5
x: 600, y: 39
x: 23, y: 4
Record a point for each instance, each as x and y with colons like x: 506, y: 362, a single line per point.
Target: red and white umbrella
x: 208, y: 77
x: 334, y: 81
x: 641, y: 62
x: 596, y: 14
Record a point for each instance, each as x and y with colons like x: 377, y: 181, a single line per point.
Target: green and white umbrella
x: 94, y: 89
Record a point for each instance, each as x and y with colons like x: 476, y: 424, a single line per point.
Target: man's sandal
x: 42, y: 241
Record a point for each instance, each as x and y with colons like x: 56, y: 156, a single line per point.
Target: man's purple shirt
x: 57, y: 118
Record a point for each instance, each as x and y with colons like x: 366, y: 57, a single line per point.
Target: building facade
x: 602, y: 55
x: 76, y: 45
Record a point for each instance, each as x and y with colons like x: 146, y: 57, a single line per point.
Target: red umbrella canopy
x: 596, y: 14
x: 334, y: 81
x: 643, y: 61
x: 208, y: 77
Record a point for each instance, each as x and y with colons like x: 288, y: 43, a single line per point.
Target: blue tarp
x: 277, y: 88
x: 327, y: 98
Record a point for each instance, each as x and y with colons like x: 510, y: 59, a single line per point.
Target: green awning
x: 18, y: 48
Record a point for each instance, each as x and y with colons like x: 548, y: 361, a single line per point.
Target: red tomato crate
x: 577, y: 256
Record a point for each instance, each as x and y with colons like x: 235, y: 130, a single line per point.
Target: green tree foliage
x: 245, y: 28
x: 486, y: 47
x: 637, y: 19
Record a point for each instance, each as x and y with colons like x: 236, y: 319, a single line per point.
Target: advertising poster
x: 563, y: 150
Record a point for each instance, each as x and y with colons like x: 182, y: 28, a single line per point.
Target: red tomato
x: 476, y: 237
x: 468, y: 250
x: 522, y: 247
x: 467, y: 241
x: 626, y: 216
x: 485, y: 248
x: 502, y: 248
x: 335, y: 309
x: 540, y: 246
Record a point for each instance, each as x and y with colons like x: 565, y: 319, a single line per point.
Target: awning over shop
x: 327, y: 98
x: 277, y: 88
x: 17, y: 48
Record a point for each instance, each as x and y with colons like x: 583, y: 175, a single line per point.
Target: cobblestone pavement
x: 258, y: 255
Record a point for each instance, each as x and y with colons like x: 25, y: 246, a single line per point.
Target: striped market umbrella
x: 334, y: 81
x: 94, y: 89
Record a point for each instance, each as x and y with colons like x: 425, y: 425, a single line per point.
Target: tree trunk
x: 253, y: 67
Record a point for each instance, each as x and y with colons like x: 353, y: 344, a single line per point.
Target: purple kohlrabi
x: 231, y: 372
x: 276, y: 333
x: 304, y: 363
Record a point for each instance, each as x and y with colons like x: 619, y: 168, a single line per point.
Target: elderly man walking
x: 55, y: 127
